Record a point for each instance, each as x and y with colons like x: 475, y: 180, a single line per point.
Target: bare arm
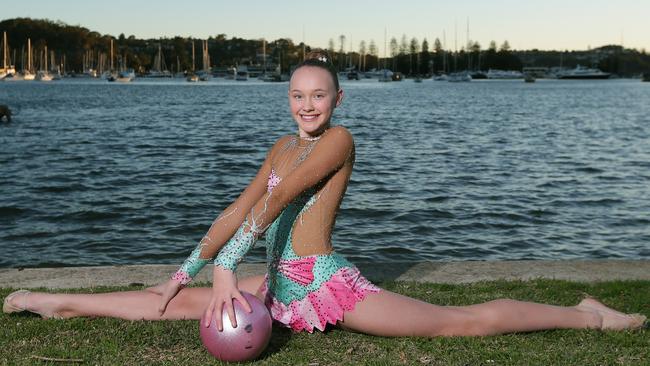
x: 329, y: 155
x: 225, y: 225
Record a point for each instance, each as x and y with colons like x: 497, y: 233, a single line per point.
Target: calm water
x: 95, y: 173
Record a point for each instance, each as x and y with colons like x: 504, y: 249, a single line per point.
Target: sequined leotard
x: 308, y: 285
x: 307, y: 292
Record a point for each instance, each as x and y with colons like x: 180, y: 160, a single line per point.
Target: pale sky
x: 526, y: 24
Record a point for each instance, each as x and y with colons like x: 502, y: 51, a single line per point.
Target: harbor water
x: 97, y: 173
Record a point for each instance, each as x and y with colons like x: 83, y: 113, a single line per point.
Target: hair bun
x: 319, y: 55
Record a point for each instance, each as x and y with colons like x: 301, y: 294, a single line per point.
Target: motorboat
x: 352, y: 75
x: 44, y: 75
x: 581, y: 72
x: 504, y: 74
x: 441, y: 77
x: 385, y: 75
x: 126, y: 76
x: 459, y: 77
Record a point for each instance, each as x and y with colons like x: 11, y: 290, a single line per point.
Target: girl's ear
x: 339, y: 97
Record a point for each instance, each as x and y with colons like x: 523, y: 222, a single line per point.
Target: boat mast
x: 193, y: 67
x: 264, y: 55
x: 385, y: 47
x: 4, y: 51
x: 111, y: 54
x: 29, y: 55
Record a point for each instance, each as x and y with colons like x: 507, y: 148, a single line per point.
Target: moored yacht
x: 581, y: 72
x: 456, y: 77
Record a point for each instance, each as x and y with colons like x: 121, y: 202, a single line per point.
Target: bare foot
x: 612, y: 319
x: 35, y: 302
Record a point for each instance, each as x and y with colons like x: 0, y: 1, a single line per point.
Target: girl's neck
x: 314, y: 136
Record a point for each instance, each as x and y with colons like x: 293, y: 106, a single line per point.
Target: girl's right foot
x: 24, y: 300
x: 610, y: 318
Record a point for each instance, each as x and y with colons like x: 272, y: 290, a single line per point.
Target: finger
x: 218, y: 311
x: 242, y: 300
x: 208, y: 315
x: 231, y: 313
x: 164, y: 301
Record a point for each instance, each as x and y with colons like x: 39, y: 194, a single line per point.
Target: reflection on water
x: 104, y: 173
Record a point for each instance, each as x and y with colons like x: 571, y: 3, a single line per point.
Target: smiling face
x: 312, y: 99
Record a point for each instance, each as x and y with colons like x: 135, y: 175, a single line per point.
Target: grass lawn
x: 25, y: 337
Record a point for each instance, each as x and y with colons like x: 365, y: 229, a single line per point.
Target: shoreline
x: 427, y: 272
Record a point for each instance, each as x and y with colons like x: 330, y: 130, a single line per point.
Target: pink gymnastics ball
x: 243, y: 343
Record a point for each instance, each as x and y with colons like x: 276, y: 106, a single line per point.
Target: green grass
x: 117, y: 342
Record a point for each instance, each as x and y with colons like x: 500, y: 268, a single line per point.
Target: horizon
x: 533, y: 25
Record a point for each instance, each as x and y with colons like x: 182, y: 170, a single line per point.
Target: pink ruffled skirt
x: 325, y: 305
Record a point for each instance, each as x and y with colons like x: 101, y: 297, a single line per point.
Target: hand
x: 224, y: 290
x: 167, y: 291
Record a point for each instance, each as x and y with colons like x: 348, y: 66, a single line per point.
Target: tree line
x: 80, y: 47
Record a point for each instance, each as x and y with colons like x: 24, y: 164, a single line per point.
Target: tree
x: 403, y: 45
x: 372, y: 48
x: 374, y: 54
x: 414, y: 48
x: 425, y: 58
x: 362, y: 55
x: 394, y: 48
x: 340, y: 60
x: 505, y: 47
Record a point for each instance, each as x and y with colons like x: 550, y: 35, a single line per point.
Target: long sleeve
x: 329, y: 154
x: 224, y: 226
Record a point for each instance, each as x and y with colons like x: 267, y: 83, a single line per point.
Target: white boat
x: 44, y: 74
x: 385, y: 75
x: 192, y: 77
x: 504, y: 74
x: 581, y: 72
x: 126, y: 76
x: 242, y: 73
x: 458, y: 77
x: 28, y: 74
x: 204, y: 75
x: 7, y: 69
x: 441, y: 77
x: 159, y: 69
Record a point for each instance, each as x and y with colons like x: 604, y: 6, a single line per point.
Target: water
x: 96, y: 173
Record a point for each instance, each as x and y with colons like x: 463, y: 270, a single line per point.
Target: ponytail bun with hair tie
x: 319, y: 55
x: 320, y: 58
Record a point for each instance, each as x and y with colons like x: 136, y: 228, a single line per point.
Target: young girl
x: 293, y: 200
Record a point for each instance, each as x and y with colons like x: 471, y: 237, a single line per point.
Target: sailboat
x: 43, y: 74
x: 192, y: 77
x: 110, y: 75
x: 204, y: 75
x: 385, y: 75
x: 159, y: 69
x: 125, y: 75
x: 7, y: 70
x: 28, y: 73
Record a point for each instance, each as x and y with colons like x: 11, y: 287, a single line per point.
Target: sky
x: 527, y: 24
